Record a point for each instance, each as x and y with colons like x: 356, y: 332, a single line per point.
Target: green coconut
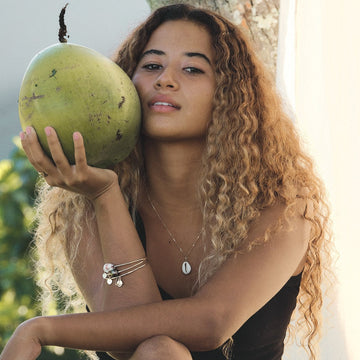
x: 74, y: 88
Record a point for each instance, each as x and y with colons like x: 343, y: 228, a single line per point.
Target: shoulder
x: 280, y: 218
x: 283, y: 229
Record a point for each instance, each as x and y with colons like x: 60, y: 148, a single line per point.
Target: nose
x: 166, y: 80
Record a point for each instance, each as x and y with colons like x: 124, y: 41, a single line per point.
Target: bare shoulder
x: 281, y: 219
x: 284, y: 230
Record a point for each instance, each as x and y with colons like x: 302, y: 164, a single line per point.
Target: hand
x: 23, y: 345
x: 80, y: 178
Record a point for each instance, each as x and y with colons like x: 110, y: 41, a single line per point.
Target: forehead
x: 180, y: 36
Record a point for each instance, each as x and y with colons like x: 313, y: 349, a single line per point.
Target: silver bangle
x: 112, y: 272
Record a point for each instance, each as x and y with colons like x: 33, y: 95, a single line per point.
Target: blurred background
x: 318, y: 74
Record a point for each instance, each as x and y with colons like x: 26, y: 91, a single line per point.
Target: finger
x: 34, y: 151
x: 79, y: 152
x: 56, y: 150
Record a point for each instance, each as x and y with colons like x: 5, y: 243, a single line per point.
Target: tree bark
x: 258, y: 18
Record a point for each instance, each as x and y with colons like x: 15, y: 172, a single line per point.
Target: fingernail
x: 28, y: 130
x: 47, y: 131
x: 76, y: 136
x: 22, y: 135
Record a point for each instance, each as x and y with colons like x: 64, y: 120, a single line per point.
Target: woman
x: 234, y: 217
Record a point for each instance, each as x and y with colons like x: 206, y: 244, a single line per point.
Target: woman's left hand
x: 23, y: 345
x: 80, y: 178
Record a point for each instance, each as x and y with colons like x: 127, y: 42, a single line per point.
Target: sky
x: 27, y: 27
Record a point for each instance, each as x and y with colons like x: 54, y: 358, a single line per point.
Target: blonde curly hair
x: 253, y: 160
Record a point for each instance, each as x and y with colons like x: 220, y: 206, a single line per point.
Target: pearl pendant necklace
x: 185, y: 267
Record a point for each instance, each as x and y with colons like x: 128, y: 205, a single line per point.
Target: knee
x: 161, y: 348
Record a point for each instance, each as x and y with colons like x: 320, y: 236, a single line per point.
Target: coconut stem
x: 62, y: 30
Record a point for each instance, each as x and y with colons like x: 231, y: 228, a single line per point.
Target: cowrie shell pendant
x: 186, y: 268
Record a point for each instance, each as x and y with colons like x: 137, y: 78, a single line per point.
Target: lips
x: 164, y: 102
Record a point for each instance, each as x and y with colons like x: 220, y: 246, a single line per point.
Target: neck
x: 173, y: 170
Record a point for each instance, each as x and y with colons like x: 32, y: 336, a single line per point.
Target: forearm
x: 120, y: 243
x: 187, y: 321
x: 118, y: 235
x: 111, y: 237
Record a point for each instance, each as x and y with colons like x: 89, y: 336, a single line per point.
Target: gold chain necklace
x: 185, y: 267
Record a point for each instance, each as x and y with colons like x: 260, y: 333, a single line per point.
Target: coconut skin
x: 74, y: 88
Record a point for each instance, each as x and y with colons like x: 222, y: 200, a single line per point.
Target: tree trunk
x: 258, y: 18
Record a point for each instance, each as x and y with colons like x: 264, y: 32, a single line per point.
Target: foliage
x: 18, y: 291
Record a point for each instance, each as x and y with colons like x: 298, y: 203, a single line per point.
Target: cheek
x: 203, y: 94
x: 138, y: 82
x: 207, y: 100
x: 140, y: 90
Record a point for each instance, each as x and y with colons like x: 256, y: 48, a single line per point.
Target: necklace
x: 185, y: 267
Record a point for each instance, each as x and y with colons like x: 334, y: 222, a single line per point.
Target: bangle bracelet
x: 108, y: 266
x: 112, y: 272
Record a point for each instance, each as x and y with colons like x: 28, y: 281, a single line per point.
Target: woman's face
x: 176, y: 82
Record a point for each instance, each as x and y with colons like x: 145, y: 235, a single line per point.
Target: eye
x: 193, y: 70
x: 152, y: 67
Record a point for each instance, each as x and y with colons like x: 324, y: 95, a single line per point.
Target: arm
x: 120, y: 243
x: 202, y: 322
x: 115, y: 240
x: 112, y: 237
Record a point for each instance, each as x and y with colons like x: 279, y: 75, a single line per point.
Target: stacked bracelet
x: 116, y: 272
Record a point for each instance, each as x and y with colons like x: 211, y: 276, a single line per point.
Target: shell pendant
x: 186, y: 268
x: 119, y: 282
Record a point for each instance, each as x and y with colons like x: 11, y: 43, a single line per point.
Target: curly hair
x: 253, y: 160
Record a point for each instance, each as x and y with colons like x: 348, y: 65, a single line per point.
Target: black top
x: 262, y: 336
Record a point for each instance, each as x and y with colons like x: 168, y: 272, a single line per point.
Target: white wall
x: 327, y: 107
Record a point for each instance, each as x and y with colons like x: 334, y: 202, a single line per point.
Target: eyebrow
x: 189, y: 54
x: 196, y: 54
